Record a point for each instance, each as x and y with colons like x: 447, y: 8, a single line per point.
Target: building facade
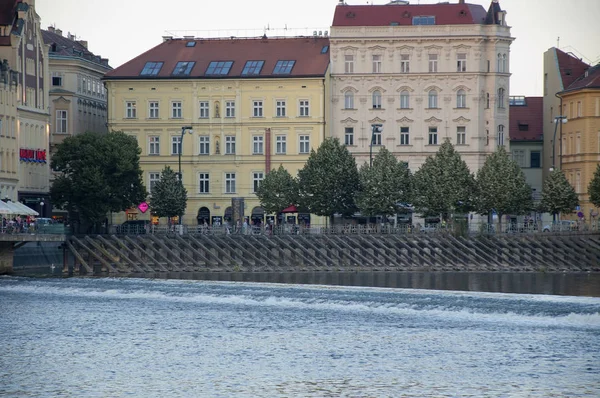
x: 580, y: 145
x: 227, y: 110
x: 25, y: 60
x: 425, y: 73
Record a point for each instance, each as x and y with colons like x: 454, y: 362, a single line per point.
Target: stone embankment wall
x: 243, y: 253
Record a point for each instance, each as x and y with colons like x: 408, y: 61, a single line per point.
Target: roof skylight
x: 252, y: 68
x: 283, y: 67
x: 219, y: 68
x: 424, y: 20
x: 151, y: 69
x: 183, y: 68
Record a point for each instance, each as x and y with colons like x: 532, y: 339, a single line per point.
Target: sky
x: 120, y: 30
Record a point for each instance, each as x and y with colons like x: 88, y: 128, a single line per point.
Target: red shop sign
x: 32, y: 155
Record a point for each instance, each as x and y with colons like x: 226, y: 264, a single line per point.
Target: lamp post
x: 183, y: 130
x: 556, y: 121
x: 42, y: 208
x: 375, y: 128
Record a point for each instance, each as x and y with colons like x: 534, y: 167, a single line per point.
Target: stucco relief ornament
x: 363, y: 100
x: 447, y: 98
x: 217, y: 111
x: 217, y: 150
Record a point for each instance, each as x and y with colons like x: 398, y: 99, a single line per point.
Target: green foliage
x: 558, y: 195
x: 501, y: 186
x: 97, y: 174
x: 277, y: 191
x: 328, y: 181
x: 384, y: 186
x: 594, y: 187
x: 169, y: 196
x: 444, y: 184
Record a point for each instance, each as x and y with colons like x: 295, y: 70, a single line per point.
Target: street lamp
x: 42, y: 208
x: 556, y: 121
x: 183, y: 130
x: 375, y: 128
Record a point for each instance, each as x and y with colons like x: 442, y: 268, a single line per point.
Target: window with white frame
x: 257, y: 108
x: 153, y: 178
x: 349, y: 100
x: 501, y: 98
x: 404, y: 63
x: 257, y: 145
x: 130, y: 110
x: 433, y: 63
x: 433, y: 99
x: 230, y: 145
x: 349, y: 136
x: 203, y: 183
x: 61, y: 122
x: 404, y: 99
x: 461, y: 99
x: 500, y: 138
x: 578, y: 144
x: 230, y: 183
x: 153, y: 109
x: 257, y: 178
x: 154, y: 145
x: 376, y: 99
x: 204, y: 145
x: 578, y: 108
x: 230, y: 109
x: 578, y: 182
x: 280, y: 108
x: 281, y: 144
x: 175, y: 145
x: 304, y: 144
x: 461, y: 62
x: 376, y: 63
x: 176, y: 110
x: 376, y: 137
x: 404, y: 136
x: 433, y: 136
x: 349, y: 64
x: 304, y: 108
x: 461, y: 135
x: 204, y: 110
x: 519, y: 157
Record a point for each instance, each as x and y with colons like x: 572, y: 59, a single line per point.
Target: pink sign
x: 143, y: 207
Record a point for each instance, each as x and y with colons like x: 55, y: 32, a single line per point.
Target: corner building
x: 426, y: 73
x: 252, y: 103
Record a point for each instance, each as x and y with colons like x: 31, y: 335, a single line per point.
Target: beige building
x: 580, y: 149
x: 425, y: 73
x: 25, y: 72
x: 252, y: 104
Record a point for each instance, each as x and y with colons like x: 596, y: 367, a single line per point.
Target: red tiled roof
x: 570, y: 67
x: 7, y: 11
x: 531, y: 115
x: 306, y: 51
x: 589, y: 79
x: 386, y: 15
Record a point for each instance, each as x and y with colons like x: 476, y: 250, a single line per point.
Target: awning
x: 13, y: 208
x: 27, y: 211
x: 4, y: 209
x: 290, y: 209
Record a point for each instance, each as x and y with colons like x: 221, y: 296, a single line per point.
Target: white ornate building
x: 426, y: 73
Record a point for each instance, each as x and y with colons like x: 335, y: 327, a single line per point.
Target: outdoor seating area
x: 19, y: 219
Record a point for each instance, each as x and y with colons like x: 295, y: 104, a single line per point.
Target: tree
x: 277, y: 190
x: 444, y: 184
x: 594, y: 187
x: 169, y: 196
x: 97, y: 174
x: 558, y: 195
x: 501, y: 187
x: 383, y: 187
x: 329, y: 180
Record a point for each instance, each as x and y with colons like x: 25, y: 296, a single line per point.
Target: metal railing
x: 33, y: 229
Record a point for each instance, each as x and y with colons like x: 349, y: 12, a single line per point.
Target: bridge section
x: 9, y: 242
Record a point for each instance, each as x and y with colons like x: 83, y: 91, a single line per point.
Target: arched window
x: 500, y: 98
x: 500, y: 63
x: 504, y: 65
x: 461, y: 99
x: 376, y: 99
x: 349, y: 100
x: 500, y: 138
x: 433, y: 99
x: 404, y: 99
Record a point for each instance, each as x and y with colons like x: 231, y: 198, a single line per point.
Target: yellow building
x: 252, y: 104
x: 580, y: 152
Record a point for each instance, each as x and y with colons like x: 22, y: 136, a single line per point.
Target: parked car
x: 561, y: 226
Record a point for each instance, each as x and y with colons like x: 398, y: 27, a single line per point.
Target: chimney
x: 51, y: 29
x: 58, y: 32
x: 461, y: 1
x: 167, y: 38
x: 84, y: 43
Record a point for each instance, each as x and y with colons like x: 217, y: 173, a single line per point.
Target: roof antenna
x: 558, y: 42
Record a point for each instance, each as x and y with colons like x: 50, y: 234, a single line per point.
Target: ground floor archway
x: 203, y: 216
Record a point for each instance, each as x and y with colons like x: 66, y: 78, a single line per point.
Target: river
x: 109, y: 337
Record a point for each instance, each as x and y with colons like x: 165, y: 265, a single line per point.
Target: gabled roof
x: 60, y: 45
x: 589, y: 79
x: 400, y: 14
x: 530, y: 117
x: 311, y: 56
x: 570, y: 67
